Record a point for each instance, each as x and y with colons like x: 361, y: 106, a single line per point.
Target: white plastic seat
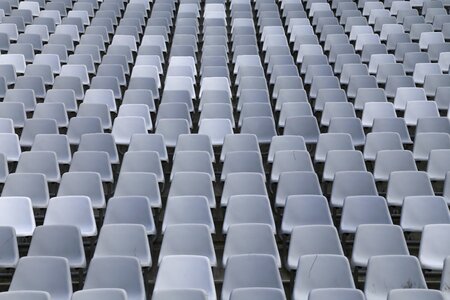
x: 426, y: 142
x: 84, y: 184
x: 342, y: 160
x: 251, y: 270
x: 250, y: 239
x: 44, y: 162
x: 336, y: 293
x: 172, y: 268
x: 388, y: 161
x: 321, y: 271
x: 433, y: 246
x: 188, y: 239
x: 72, y: 210
x: 419, y: 211
x: 389, y: 272
x: 312, y: 239
x: 10, y: 146
x: 32, y: 186
x: 193, y: 184
x: 305, y: 210
x: 197, y: 206
x: 34, y: 127
x: 243, y: 209
x: 402, y: 184
x: 101, y: 293
x: 130, y: 210
x: 149, y: 142
x: 241, y: 161
x: 54, y: 276
x: 25, y: 295
x: 262, y: 293
x: 124, y: 240
x: 344, y: 185
x: 139, y: 184
x: 116, y: 272
x: 10, y: 255
x: 93, y: 161
x: 125, y: 127
x: 399, y: 294
x: 377, y: 239
x: 61, y: 241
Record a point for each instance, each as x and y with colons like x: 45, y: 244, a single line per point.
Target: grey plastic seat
x: 418, y: 184
x: 67, y: 97
x: 414, y: 294
x: 260, y: 269
x: 108, y: 293
x: 343, y: 186
x: 239, y: 241
x: 237, y: 184
x: 433, y: 246
x: 82, y: 125
x: 342, y: 160
x: 100, y: 142
x: 290, y: 161
x: 125, y: 127
x: 60, y: 241
x: 17, y: 212
x: 72, y: 210
x: 321, y: 271
x: 193, y: 184
x: 199, y: 237
x: 377, y: 239
x: 93, y: 161
x: 137, y: 96
x: 305, y: 126
x: 128, y: 240
x: 104, y: 272
x: 176, y: 209
x: 70, y: 82
x: 171, y: 270
x: 388, y: 161
x: 288, y: 185
x: 419, y: 211
x: 32, y: 186
x: 350, y: 125
x: 257, y: 293
x: 36, y: 83
x: 242, y: 161
x: 407, y: 94
x: 149, y: 142
x: 336, y: 293
x: 10, y: 256
x: 143, y: 161
x: 83, y: 183
x: 44, y: 162
x: 131, y: 184
x: 195, y: 142
x: 437, y: 167
x: 332, y: 141
x: 401, y: 270
x: 130, y: 210
x: 312, y: 239
x: 426, y: 142
x: 10, y: 146
x: 356, y: 82
x: 24, y: 295
x: 55, y: 277
x: 395, y: 125
x: 242, y: 209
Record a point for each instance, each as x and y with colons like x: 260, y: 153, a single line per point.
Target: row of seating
x: 263, y: 116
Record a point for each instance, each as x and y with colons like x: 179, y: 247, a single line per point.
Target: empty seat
x: 171, y: 270
x: 401, y: 270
